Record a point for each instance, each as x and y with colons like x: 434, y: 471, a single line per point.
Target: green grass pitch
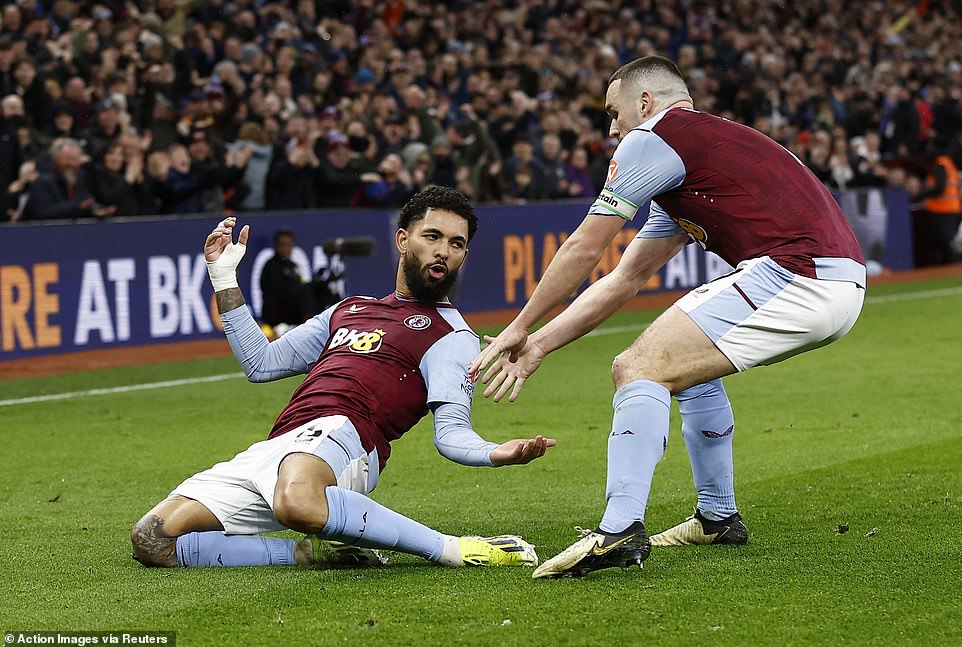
x: 866, y: 433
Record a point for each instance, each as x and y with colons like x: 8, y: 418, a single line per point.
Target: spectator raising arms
x: 502, y: 94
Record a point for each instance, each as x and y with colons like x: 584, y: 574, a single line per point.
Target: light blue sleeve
x: 444, y: 368
x: 659, y: 224
x: 293, y: 354
x: 456, y: 440
x: 643, y: 167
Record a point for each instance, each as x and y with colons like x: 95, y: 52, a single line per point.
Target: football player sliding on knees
x: 374, y: 368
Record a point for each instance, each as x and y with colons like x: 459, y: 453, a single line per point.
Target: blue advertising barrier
x: 86, y: 285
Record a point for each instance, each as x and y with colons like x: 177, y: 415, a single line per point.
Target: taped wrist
x: 223, y: 270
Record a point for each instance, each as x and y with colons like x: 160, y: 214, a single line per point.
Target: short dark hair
x: 644, y: 64
x: 438, y: 197
x: 281, y: 233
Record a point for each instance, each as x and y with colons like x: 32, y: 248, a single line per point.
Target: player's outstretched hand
x: 222, y: 236
x: 521, y: 450
x: 509, y: 343
x: 223, y: 255
x: 505, y: 375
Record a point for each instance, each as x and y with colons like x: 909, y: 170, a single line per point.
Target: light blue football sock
x: 707, y: 425
x: 214, y: 548
x: 639, y: 436
x: 356, y: 519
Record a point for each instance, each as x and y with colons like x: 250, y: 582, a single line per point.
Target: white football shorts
x: 762, y: 313
x: 240, y: 492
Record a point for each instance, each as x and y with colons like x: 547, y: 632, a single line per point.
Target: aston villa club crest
x: 417, y: 322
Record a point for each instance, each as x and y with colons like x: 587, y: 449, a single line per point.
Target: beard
x: 423, y: 287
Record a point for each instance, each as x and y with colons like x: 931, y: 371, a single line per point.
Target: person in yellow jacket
x: 943, y: 207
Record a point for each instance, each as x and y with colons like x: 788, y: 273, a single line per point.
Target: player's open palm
x: 506, y: 375
x: 521, y: 450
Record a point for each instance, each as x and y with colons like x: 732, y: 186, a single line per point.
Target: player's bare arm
x: 229, y: 299
x: 568, y: 269
x: 642, y: 258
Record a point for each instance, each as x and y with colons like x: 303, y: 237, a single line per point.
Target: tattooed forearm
x: 152, y: 545
x: 229, y: 299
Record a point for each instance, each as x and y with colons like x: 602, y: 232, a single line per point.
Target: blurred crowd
x: 119, y: 108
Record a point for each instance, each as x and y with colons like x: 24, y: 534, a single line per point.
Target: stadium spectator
x: 339, y: 177
x: 18, y: 192
x: 943, y: 209
x: 555, y: 167
x: 390, y: 186
x: 78, y: 94
x: 469, y: 141
x: 600, y: 165
x: 393, y: 138
x: 524, y: 178
x: 443, y: 168
x: 106, y: 127
x: 799, y: 284
x: 180, y: 185
x: 841, y: 164
x: 11, y: 154
x: 330, y: 444
x: 294, y: 178
x: 8, y: 82
x: 220, y: 178
x: 578, y: 175
x: 163, y: 122
x: 118, y: 182
x: 62, y: 124
x: 869, y: 170
x: 253, y: 137
x: 37, y: 101
x: 289, y: 300
x: 63, y: 191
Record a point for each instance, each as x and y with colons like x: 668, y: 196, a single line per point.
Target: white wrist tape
x: 223, y: 270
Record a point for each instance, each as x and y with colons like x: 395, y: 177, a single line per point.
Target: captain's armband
x: 610, y: 202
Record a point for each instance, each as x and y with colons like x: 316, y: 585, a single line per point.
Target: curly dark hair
x: 438, y: 197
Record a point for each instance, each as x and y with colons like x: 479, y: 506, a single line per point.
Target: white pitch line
x: 910, y: 296
x: 120, y: 389
x: 612, y: 330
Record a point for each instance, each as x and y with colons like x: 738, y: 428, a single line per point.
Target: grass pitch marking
x: 612, y: 330
x: 120, y: 389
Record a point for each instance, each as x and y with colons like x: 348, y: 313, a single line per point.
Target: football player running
x: 799, y: 283
x: 374, y: 368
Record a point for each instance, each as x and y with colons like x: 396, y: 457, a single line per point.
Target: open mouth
x: 437, y: 271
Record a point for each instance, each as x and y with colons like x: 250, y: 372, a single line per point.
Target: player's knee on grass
x: 301, y: 508
x: 150, y: 543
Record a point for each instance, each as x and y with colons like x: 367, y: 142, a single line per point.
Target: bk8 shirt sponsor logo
x: 696, y: 232
x: 358, y: 341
